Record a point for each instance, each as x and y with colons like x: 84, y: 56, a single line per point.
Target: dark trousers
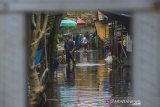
x: 69, y: 56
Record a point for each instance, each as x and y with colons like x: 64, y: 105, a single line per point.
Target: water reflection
x: 70, y: 75
x: 119, y: 82
x: 90, y: 83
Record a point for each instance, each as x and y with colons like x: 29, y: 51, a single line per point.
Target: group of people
x: 74, y: 43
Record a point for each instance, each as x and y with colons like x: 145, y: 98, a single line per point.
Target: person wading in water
x: 69, y: 47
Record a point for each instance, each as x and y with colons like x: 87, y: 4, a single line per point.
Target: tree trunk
x: 53, y: 42
x: 37, y: 36
x: 52, y: 52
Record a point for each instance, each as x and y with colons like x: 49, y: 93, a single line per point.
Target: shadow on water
x: 120, y: 85
x: 70, y: 75
x: 120, y: 81
x: 89, y: 84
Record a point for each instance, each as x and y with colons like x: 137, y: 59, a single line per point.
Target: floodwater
x: 91, y: 83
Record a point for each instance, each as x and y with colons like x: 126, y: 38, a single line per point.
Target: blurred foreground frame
x: 14, y: 48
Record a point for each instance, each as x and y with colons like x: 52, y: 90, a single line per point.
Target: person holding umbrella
x: 69, y: 47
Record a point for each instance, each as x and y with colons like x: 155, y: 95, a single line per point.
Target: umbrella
x: 68, y: 23
x: 80, y: 22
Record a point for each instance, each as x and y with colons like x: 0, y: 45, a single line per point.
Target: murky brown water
x: 91, y: 83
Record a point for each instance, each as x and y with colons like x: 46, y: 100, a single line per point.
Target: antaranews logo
x: 123, y: 101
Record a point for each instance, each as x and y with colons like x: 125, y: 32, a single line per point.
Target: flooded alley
x: 90, y: 83
x: 80, y: 53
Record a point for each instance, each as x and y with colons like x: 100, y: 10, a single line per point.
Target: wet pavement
x: 91, y: 83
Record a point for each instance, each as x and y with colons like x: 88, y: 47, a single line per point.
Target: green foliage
x: 60, y: 38
x: 51, y: 21
x: 62, y: 30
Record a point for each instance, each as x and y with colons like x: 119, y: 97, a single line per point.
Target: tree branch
x: 43, y: 75
x: 38, y: 22
x: 48, y: 29
x: 43, y: 30
x: 33, y: 21
x: 46, y: 56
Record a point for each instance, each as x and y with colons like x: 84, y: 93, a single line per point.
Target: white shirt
x: 84, y: 40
